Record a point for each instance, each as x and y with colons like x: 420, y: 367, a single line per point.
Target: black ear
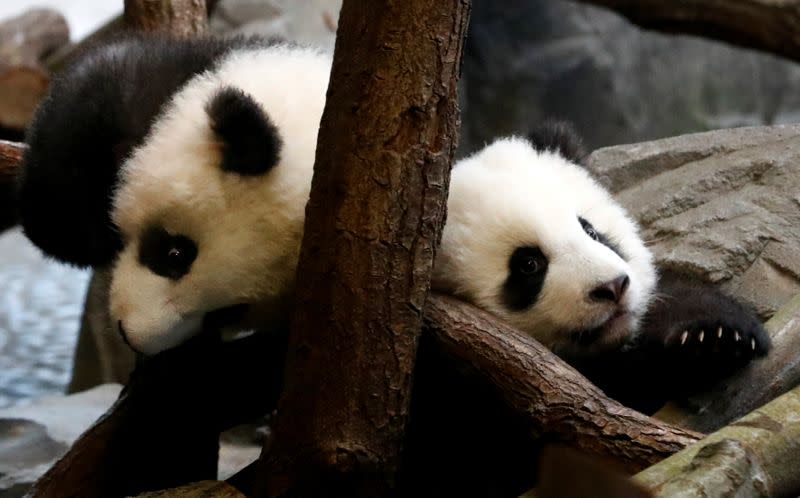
x: 559, y: 137
x: 250, y: 142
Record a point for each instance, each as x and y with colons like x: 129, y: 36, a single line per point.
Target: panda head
x: 210, y: 207
x: 532, y: 237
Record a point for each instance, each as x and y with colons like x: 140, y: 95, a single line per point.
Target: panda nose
x: 612, y: 290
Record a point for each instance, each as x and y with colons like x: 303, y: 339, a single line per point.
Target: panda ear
x: 559, y: 137
x: 250, y: 142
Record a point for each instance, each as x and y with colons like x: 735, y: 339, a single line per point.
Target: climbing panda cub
x: 184, y: 167
x: 533, y: 238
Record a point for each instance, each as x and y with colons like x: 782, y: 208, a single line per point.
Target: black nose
x: 612, y: 290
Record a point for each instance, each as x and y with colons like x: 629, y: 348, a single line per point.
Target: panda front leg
x: 696, y: 335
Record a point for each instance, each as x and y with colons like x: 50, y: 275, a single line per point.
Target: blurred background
x: 525, y: 60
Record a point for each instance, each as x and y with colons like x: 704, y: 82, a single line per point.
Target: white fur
x: 509, y: 195
x: 247, y: 228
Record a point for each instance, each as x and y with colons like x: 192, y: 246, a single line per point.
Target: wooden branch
x: 25, y: 41
x: 755, y: 456
x: 10, y: 160
x: 769, y: 25
x: 554, y: 400
x: 178, y: 17
x: 375, y: 214
x: 203, y: 489
x: 760, y: 382
x: 164, y: 429
x: 10, y: 157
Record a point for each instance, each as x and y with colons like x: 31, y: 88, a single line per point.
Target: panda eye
x: 528, y: 266
x: 167, y: 255
x: 527, y: 262
x: 176, y: 258
x: 589, y: 229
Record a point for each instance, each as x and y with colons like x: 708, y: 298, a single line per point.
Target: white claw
x: 736, y: 336
x: 753, y: 344
x: 701, y: 336
x: 684, y: 336
x: 719, y: 333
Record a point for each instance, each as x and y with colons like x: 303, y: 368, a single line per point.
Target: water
x: 41, y: 302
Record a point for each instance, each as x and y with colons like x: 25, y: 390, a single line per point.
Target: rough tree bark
x: 374, y: 219
x: 770, y: 25
x: 755, y: 456
x: 178, y: 17
x: 750, y: 388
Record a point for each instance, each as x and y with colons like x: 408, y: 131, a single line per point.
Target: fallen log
x: 754, y: 456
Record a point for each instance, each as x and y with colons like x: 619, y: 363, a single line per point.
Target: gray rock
x: 526, y: 60
x: 34, y: 436
x: 308, y: 22
x: 722, y: 205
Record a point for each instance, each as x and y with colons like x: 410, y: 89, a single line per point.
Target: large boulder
x: 34, y: 436
x: 526, y: 60
x: 722, y: 205
x: 310, y: 21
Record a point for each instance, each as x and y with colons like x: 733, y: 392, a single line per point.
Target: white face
x: 199, y: 238
x: 535, y: 240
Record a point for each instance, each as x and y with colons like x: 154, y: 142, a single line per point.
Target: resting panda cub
x: 533, y: 238
x: 186, y: 167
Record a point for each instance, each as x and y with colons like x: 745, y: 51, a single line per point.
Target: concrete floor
x: 40, y: 307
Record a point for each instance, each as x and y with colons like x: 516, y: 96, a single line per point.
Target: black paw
x: 720, y: 343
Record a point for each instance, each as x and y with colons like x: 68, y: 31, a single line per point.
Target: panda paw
x: 719, y: 342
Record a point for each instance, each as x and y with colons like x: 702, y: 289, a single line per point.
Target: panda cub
x: 186, y: 172
x: 533, y: 238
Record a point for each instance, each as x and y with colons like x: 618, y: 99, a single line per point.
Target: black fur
x: 600, y: 237
x: 95, y: 113
x: 250, y: 142
x: 527, y: 269
x: 167, y: 255
x: 560, y: 137
x: 660, y: 365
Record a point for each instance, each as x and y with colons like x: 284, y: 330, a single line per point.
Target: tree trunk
x: 183, y: 18
x: 374, y: 219
x: 770, y: 25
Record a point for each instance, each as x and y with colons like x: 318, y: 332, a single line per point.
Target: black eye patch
x: 167, y: 255
x: 592, y: 232
x: 527, y: 268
